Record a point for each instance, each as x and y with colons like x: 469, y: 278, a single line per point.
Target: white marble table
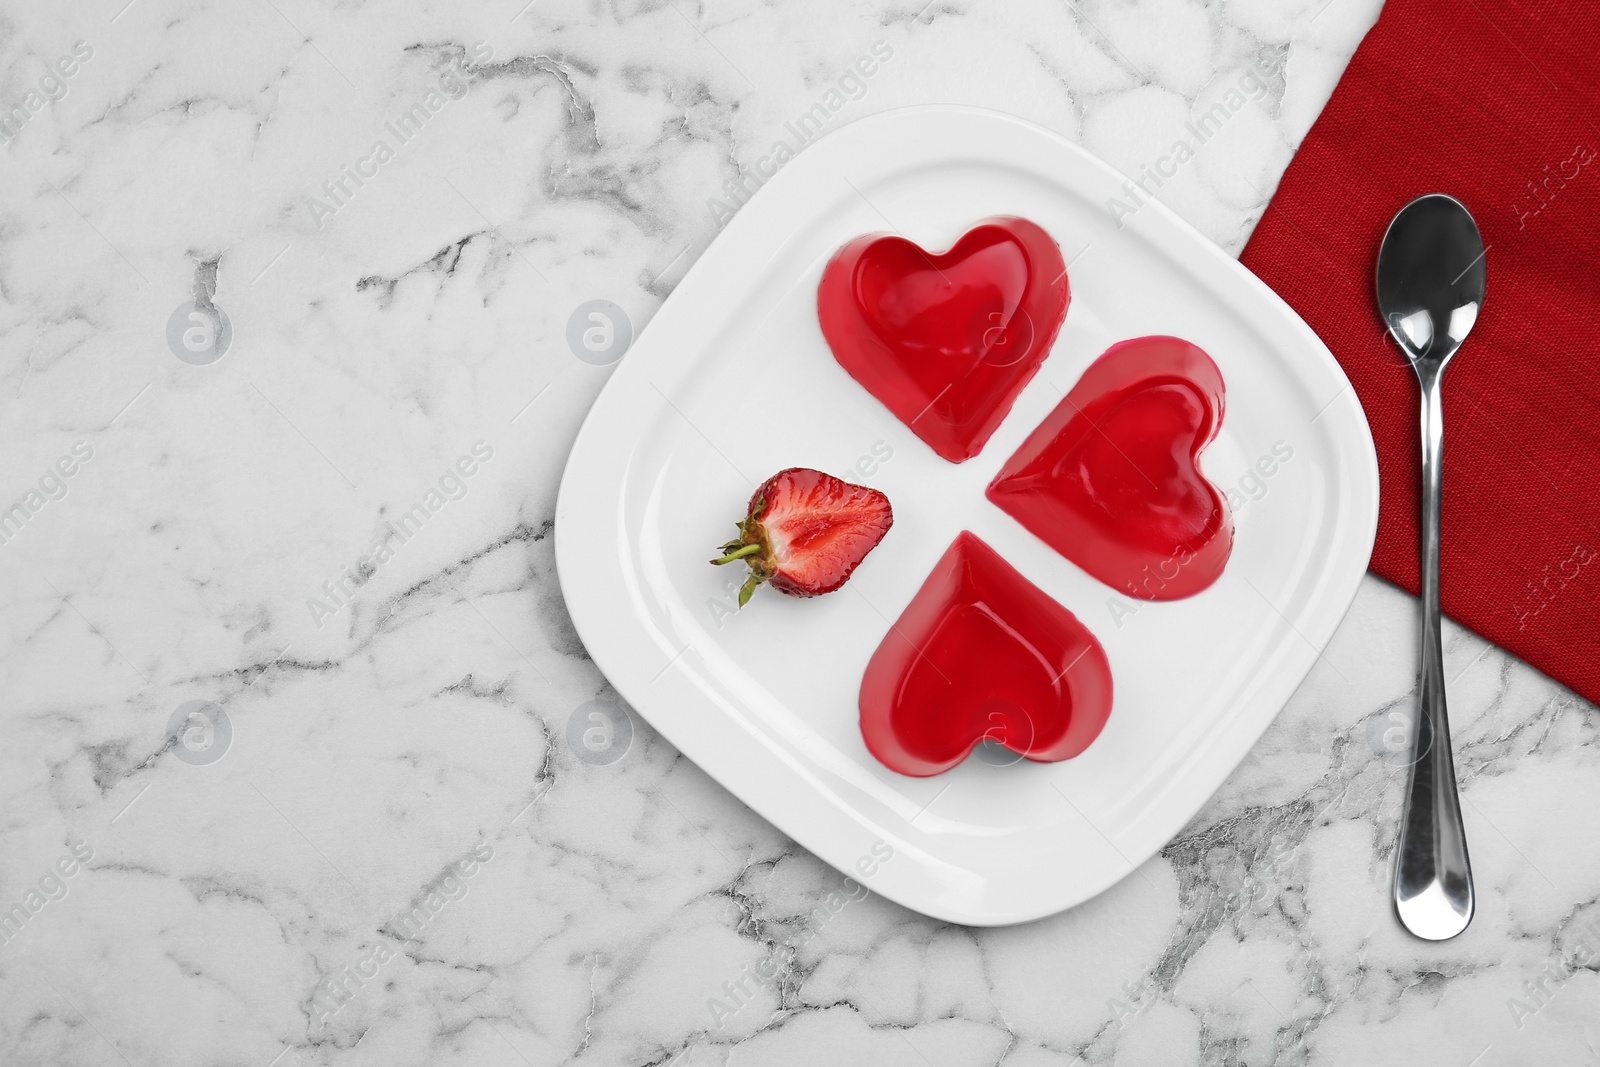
x: 398, y: 858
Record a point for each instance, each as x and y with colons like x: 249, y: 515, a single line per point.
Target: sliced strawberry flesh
x: 810, y: 530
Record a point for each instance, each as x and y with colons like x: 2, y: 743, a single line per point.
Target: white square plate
x: 732, y: 381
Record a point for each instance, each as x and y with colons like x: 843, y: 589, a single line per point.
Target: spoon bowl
x: 1431, y: 277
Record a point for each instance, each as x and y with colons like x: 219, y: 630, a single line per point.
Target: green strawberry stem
x: 739, y: 553
x: 752, y: 541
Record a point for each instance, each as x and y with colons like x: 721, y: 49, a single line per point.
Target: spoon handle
x: 1433, y: 878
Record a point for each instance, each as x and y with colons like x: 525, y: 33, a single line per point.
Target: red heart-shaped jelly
x: 982, y: 654
x: 1111, y: 478
x: 946, y: 341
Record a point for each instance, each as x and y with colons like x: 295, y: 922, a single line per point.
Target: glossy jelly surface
x: 1111, y: 478
x: 982, y: 654
x: 946, y: 341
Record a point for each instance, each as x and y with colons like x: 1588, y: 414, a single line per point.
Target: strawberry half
x: 806, y: 531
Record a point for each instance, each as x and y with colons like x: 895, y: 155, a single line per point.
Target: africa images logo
x: 851, y: 85
x: 52, y: 88
x: 1251, y: 85
x: 454, y: 84
x: 339, y: 592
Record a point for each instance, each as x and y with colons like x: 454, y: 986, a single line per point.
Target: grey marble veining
x: 399, y: 857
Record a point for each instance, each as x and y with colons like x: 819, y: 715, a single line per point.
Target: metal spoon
x: 1430, y: 287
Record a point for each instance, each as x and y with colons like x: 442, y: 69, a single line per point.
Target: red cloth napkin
x: 1497, y: 104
